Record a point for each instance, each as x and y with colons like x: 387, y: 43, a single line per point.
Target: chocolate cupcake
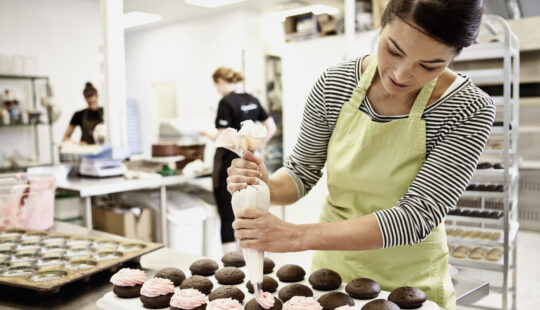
x: 269, y: 284
x: 267, y: 300
x: 227, y: 291
x: 481, y: 187
x: 156, y: 293
x: 268, y: 265
x: 380, y: 304
x: 204, y: 267
x: 230, y: 275
x: 289, y: 291
x: 325, y: 280
x: 491, y: 187
x: 471, y: 187
x: 498, y: 166
x: 291, y: 273
x: 407, y: 297
x: 188, y: 299
x: 484, y: 166
x: 128, y: 282
x: 333, y: 300
x: 200, y: 283
x: 233, y: 259
x: 363, y: 288
x: 174, y: 274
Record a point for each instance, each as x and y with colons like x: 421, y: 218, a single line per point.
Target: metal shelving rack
x: 508, y: 226
x: 48, y: 122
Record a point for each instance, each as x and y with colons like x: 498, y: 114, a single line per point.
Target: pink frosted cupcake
x: 156, y: 293
x: 264, y: 301
x: 224, y: 304
x: 302, y: 303
x: 128, y: 282
x: 188, y: 299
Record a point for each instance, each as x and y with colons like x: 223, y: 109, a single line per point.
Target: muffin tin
x: 45, y: 261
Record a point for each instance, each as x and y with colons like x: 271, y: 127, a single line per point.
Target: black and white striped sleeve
x: 444, y: 175
x: 308, y: 158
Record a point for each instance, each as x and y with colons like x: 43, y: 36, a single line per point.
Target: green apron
x: 370, y: 166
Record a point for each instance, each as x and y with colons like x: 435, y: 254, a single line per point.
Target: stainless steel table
x: 88, y: 187
x: 83, y: 296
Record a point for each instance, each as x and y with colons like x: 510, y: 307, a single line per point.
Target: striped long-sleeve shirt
x: 457, y: 128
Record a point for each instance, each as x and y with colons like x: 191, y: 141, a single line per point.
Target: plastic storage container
x: 27, y: 201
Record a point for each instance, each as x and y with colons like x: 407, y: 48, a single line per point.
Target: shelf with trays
x: 499, y: 242
x: 483, y: 51
x: 483, y: 194
x: 33, y: 81
x: 506, y: 134
x: 478, y: 264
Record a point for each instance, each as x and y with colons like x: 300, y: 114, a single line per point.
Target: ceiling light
x: 212, y: 3
x: 316, y: 9
x: 133, y: 19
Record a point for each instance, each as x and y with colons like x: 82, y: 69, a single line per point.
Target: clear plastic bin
x: 27, y: 201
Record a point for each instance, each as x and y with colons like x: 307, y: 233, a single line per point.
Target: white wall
x: 188, y: 52
x: 64, y: 36
x: 303, y: 63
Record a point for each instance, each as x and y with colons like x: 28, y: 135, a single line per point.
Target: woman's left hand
x: 263, y: 231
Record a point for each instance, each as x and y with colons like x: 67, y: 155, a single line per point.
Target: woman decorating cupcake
x: 400, y: 135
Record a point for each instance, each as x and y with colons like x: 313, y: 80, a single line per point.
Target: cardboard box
x: 133, y: 223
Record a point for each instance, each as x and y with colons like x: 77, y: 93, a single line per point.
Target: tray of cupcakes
x: 212, y: 286
x: 45, y: 261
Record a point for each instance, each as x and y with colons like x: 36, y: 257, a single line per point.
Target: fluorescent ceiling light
x: 212, y: 3
x: 316, y: 9
x: 133, y: 19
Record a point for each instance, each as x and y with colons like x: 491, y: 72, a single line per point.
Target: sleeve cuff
x: 300, y: 188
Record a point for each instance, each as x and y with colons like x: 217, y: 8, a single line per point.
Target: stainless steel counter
x: 83, y: 296
x: 88, y: 187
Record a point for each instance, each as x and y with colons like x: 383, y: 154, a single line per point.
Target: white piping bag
x: 249, y: 138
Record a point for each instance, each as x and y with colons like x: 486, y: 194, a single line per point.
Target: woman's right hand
x: 244, y: 171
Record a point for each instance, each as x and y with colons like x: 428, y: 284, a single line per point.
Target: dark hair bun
x: 89, y: 90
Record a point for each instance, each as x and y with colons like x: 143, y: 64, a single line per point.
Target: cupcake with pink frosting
x: 224, y: 304
x: 156, y: 293
x: 188, y: 299
x: 264, y: 301
x: 302, y: 303
x: 128, y: 282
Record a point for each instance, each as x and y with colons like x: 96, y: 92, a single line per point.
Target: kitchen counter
x: 86, y: 188
x: 84, y: 295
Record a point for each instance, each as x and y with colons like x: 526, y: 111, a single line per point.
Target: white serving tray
x: 111, y: 302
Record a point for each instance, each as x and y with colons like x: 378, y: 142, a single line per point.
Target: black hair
x: 453, y: 22
x: 89, y: 90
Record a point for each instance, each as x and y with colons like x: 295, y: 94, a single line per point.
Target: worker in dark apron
x: 234, y: 108
x: 88, y: 118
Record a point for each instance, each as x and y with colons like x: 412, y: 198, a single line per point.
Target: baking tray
x: 112, y: 302
x: 45, y: 261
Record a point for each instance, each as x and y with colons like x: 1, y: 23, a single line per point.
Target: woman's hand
x: 261, y: 230
x: 244, y: 171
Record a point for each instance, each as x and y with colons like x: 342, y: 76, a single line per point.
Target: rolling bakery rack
x: 482, y: 230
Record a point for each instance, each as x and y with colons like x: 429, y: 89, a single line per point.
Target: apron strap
x: 360, y: 90
x: 421, y: 100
